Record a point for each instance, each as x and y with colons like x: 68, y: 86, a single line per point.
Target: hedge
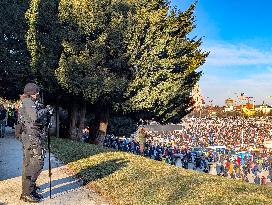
x: 124, y: 178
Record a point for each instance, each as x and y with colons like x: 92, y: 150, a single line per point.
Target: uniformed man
x: 31, y: 116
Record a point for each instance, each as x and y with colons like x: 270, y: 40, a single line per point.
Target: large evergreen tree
x: 43, y: 42
x: 14, y: 56
x: 164, y: 59
x: 108, y: 52
x: 93, y: 63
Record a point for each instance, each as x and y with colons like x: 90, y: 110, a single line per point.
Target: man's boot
x: 37, y: 195
x: 36, y: 188
x: 30, y: 198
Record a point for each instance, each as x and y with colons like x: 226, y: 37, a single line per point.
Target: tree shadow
x: 102, y: 170
x: 89, y: 174
x: 72, y: 186
x: 68, y: 150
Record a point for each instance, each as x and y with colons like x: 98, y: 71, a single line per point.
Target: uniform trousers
x: 33, y: 159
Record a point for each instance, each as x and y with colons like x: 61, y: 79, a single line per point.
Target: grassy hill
x: 125, y: 178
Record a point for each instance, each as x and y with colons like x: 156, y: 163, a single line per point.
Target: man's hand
x: 50, y: 109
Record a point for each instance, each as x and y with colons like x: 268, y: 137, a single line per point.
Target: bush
x: 125, y: 178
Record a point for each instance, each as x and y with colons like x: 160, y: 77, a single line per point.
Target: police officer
x: 33, y: 156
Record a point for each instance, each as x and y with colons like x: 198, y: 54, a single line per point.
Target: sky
x: 238, y: 35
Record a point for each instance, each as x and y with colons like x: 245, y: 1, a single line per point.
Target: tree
x: 14, y: 56
x: 43, y: 42
x: 93, y: 64
x: 164, y: 61
x: 104, y: 53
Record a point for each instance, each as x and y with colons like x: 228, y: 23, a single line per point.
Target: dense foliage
x: 93, y: 63
x: 14, y: 56
x: 43, y: 42
x: 164, y: 61
x: 122, y: 126
x: 104, y: 57
x: 138, y: 51
x: 130, y: 179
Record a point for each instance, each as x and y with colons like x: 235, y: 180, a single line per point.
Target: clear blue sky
x: 238, y: 33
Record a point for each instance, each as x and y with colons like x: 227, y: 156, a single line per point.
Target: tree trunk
x: 77, y: 120
x: 81, y: 120
x: 101, y: 125
x: 57, y: 121
x: 73, y: 121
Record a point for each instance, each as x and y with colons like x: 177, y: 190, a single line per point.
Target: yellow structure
x: 248, y: 109
x: 248, y: 112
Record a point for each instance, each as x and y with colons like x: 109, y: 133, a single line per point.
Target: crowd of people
x: 230, y: 147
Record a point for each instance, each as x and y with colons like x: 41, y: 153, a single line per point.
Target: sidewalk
x: 66, y: 189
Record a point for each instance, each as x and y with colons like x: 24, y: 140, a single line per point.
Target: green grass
x: 125, y: 178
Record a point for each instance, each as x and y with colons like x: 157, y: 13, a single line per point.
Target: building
x: 229, y: 105
x: 265, y: 109
x: 199, y: 102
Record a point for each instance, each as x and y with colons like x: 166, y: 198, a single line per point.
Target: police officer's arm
x: 37, y: 114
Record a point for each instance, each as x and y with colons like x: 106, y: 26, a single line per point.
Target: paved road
x: 66, y: 189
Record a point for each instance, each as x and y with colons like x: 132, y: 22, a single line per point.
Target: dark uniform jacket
x: 31, y: 115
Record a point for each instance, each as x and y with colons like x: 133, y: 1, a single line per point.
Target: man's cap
x: 31, y: 89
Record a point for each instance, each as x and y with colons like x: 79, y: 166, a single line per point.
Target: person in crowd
x: 263, y: 180
x: 141, y: 139
x: 3, y: 115
x: 10, y: 118
x: 85, y: 134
